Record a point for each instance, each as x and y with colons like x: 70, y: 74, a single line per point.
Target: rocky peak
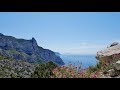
x: 1, y: 34
x: 26, y: 50
x: 34, y: 42
x: 35, y: 45
x: 114, y: 44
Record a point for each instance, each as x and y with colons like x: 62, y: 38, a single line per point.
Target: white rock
x: 118, y: 62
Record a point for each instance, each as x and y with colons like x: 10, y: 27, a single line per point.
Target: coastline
x: 77, y: 60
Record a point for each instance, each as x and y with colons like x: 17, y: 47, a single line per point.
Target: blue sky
x: 64, y: 32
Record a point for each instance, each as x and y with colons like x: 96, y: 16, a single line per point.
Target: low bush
x: 44, y: 70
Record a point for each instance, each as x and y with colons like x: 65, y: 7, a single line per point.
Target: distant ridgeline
x: 57, y: 53
x: 28, y: 50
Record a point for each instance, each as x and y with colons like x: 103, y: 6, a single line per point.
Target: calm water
x: 76, y: 60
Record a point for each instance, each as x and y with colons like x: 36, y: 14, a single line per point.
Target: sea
x: 79, y: 60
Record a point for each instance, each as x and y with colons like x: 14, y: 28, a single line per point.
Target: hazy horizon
x: 64, y: 32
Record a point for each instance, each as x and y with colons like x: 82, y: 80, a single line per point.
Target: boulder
x: 117, y: 65
x: 110, y: 53
x: 112, y: 73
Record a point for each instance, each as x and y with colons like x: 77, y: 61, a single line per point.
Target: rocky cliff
x: 110, y: 57
x: 28, y: 50
x: 57, y: 53
x: 110, y: 53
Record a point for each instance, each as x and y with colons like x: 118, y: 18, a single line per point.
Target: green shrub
x: 16, y: 52
x: 95, y: 68
x: 92, y: 69
x: 4, y: 57
x: 44, y: 70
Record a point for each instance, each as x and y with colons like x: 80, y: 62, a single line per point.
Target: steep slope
x: 110, y: 61
x: 11, y: 68
x: 26, y: 50
x: 57, y: 53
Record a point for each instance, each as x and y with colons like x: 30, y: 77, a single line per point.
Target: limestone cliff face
x: 26, y: 50
x: 110, y: 53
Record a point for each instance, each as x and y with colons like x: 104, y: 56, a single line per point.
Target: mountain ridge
x: 26, y: 50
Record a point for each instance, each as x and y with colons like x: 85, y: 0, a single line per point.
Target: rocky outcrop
x: 110, y: 53
x: 115, y: 71
x: 114, y: 44
x: 111, y: 58
x: 117, y: 66
x: 26, y: 50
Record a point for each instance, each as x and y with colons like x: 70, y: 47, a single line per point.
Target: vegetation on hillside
x: 44, y: 70
x: 11, y: 68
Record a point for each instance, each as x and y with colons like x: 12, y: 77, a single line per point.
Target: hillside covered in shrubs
x: 22, y: 49
x: 25, y: 59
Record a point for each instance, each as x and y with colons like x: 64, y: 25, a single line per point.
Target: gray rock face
x: 110, y: 53
x: 112, y: 72
x: 114, y: 44
x: 117, y: 65
x: 26, y: 50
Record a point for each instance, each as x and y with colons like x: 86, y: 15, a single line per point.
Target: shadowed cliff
x: 29, y: 50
